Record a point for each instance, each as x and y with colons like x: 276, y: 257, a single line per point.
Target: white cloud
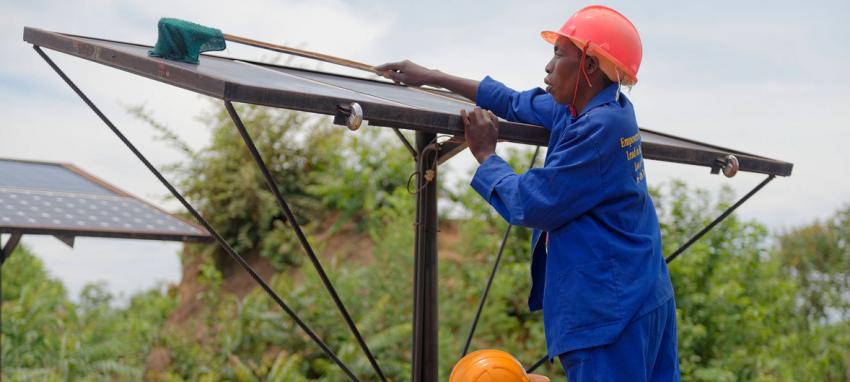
x: 763, y: 80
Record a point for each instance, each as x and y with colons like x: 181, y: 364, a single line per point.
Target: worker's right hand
x: 407, y: 72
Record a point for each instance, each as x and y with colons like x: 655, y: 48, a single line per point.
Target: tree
x: 47, y: 337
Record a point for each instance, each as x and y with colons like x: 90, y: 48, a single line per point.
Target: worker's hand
x: 481, y: 128
x: 406, y: 72
x: 538, y: 378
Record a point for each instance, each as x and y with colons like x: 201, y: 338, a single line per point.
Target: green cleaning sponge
x: 182, y: 40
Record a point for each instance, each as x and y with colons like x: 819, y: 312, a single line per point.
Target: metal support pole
x: 425, y: 339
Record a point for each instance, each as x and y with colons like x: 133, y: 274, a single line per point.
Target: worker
x: 597, y: 269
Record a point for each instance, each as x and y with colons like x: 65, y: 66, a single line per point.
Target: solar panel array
x: 49, y: 196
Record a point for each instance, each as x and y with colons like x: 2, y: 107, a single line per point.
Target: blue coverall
x: 600, y: 277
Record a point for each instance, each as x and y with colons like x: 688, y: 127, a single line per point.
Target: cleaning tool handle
x: 302, y: 53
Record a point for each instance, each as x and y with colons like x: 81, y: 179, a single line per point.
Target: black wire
x: 200, y: 218
x: 300, y: 234
x: 492, y: 275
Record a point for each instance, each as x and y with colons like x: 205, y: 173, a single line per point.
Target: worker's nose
x: 550, y: 66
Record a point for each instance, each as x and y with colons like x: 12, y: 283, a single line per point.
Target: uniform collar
x: 606, y: 96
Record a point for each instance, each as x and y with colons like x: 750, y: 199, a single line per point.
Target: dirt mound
x: 343, y: 242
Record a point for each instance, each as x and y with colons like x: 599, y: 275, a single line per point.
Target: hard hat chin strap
x: 581, y: 72
x: 617, y: 96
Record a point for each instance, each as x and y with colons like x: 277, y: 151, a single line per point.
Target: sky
x: 760, y: 77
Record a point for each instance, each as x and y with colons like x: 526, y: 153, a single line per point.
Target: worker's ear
x: 591, y: 64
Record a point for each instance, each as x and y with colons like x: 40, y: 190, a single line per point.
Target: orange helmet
x: 612, y: 38
x: 488, y: 366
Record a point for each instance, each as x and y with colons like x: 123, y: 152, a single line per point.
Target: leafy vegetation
x: 46, y: 337
x: 751, y: 306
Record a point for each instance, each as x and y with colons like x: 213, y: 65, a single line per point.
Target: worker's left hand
x: 481, y: 129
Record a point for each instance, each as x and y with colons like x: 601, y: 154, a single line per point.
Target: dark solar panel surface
x: 330, y: 85
x: 51, y: 196
x: 46, y: 177
x: 383, y: 103
x: 294, y: 80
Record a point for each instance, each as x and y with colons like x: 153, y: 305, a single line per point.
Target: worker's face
x: 562, y: 70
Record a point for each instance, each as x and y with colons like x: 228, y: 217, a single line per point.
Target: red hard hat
x: 612, y: 37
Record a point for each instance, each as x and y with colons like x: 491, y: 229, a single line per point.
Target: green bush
x: 750, y: 306
x: 47, y: 337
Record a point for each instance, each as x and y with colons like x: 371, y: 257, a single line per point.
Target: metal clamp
x: 729, y: 165
x: 350, y: 116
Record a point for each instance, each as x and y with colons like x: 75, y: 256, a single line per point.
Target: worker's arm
x: 533, y: 106
x: 409, y: 73
x: 544, y: 198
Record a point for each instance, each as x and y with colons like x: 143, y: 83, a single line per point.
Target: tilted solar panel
x: 383, y: 103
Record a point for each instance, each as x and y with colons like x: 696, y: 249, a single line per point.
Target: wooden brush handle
x: 302, y: 53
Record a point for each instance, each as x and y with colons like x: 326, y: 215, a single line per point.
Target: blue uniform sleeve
x: 549, y: 197
x: 533, y: 106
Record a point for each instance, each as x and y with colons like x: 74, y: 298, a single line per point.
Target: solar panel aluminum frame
x: 104, y: 232
x: 377, y: 113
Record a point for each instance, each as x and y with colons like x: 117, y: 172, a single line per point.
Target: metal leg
x: 10, y: 246
x: 221, y: 241
x: 425, y: 338
x: 290, y: 217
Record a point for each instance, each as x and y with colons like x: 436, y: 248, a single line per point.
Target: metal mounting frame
x: 379, y: 112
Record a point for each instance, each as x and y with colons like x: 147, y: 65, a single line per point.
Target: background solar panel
x: 50, y: 196
x: 46, y: 176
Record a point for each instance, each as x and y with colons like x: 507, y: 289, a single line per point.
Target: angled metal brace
x: 537, y: 364
x: 406, y: 143
x: 221, y: 241
x: 698, y: 235
x: 10, y: 246
x: 452, y: 147
x: 290, y: 217
x: 492, y: 273
x: 720, y: 218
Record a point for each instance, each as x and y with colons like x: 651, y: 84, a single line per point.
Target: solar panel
x: 60, y: 199
x: 383, y: 103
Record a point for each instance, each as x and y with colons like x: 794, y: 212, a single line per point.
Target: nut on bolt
x: 730, y: 168
x: 350, y: 115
